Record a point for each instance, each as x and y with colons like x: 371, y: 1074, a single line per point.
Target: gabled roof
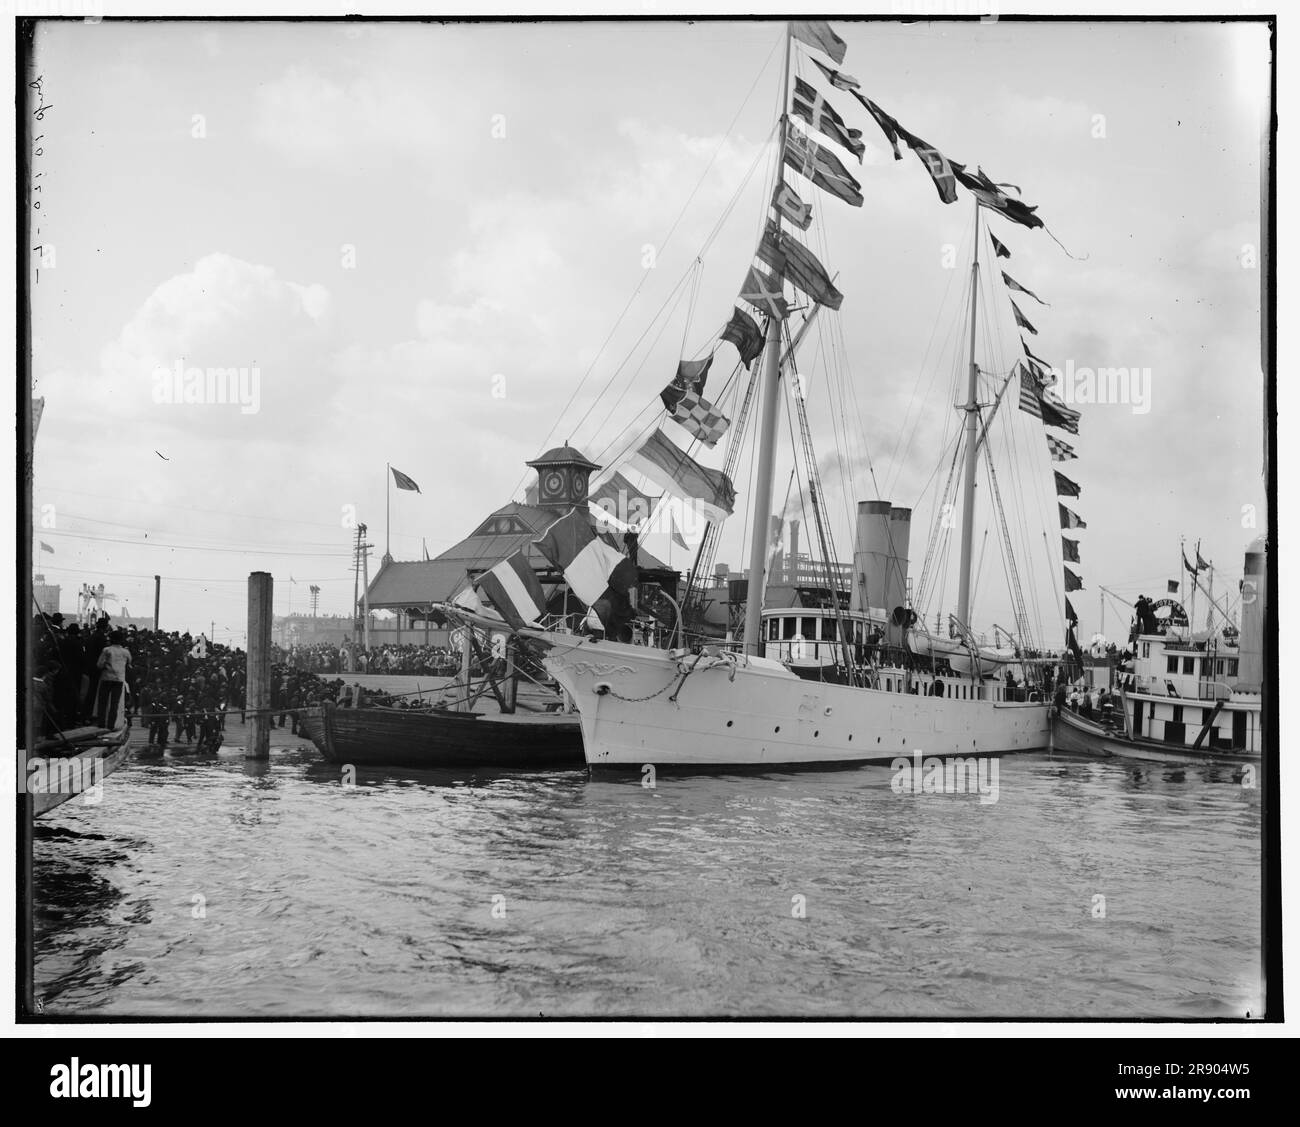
x: 419, y: 582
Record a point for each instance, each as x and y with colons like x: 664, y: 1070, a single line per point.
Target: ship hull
x: 643, y: 706
x: 1073, y: 734
x: 436, y: 739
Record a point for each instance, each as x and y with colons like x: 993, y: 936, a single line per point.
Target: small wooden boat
x: 1073, y: 733
x: 435, y: 738
x: 72, y: 763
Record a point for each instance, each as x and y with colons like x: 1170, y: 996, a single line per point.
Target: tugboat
x: 1185, y: 698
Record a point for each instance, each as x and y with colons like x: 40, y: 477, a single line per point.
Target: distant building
x: 310, y: 630
x: 410, y: 589
x: 47, y: 594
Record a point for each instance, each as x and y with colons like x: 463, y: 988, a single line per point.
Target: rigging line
x: 664, y: 241
x: 186, y: 547
x: 164, y: 531
x: 675, y: 295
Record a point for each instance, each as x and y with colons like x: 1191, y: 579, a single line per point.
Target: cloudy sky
x: 425, y: 237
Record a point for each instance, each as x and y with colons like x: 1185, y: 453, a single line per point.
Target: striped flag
x: 818, y: 33
x: 1060, y: 451
x: 1064, y: 486
x: 590, y: 565
x: 402, y: 481
x: 1072, y: 581
x: 514, y: 590
x: 1030, y: 394
x: 799, y: 266
x: 1012, y: 284
x: 788, y: 203
x: 1069, y: 519
x: 1070, y: 550
x: 810, y: 105
x: 676, y: 472
x: 817, y: 163
x: 619, y: 498
x: 700, y: 417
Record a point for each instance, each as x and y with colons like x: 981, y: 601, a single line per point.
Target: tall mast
x: 972, y: 421
x: 767, y: 421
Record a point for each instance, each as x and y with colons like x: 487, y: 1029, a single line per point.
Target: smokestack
x: 870, y: 555
x: 900, y: 539
x: 1254, y: 593
x: 792, y: 556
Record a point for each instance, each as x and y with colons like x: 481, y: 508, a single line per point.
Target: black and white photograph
x: 647, y: 516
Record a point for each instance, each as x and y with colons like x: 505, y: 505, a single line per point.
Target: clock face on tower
x: 554, y: 485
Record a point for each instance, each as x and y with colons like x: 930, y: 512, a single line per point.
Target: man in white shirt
x: 113, y: 661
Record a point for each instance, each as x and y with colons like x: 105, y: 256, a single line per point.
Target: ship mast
x: 767, y: 421
x: 972, y: 421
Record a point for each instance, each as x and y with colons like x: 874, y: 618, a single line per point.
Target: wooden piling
x: 157, y: 598
x: 261, y: 588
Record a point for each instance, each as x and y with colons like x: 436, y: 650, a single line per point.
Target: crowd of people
x: 1091, y: 704
x: 182, y: 688
x: 407, y: 659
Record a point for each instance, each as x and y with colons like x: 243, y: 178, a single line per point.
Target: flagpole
x: 972, y: 421
x: 762, y: 508
x: 388, y: 510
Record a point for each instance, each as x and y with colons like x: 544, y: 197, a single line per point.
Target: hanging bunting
x: 992, y: 196
x: 1031, y: 356
x: 691, y: 376
x: 1021, y: 320
x: 700, y: 417
x: 1014, y: 285
x: 998, y: 248
x: 1070, y: 550
x: 788, y: 204
x: 888, y: 126
x: 743, y: 332
x: 1030, y: 395
x: 798, y: 266
x: 838, y: 79
x: 808, y: 104
x: 817, y: 163
x: 1064, y: 486
x: 671, y: 468
x: 1072, y: 581
x: 1060, y: 451
x: 1070, y: 519
x: 763, y: 292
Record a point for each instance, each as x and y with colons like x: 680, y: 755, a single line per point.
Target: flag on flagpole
x: 1069, y: 519
x: 1200, y: 563
x: 743, y: 331
x: 998, y: 248
x: 402, y: 481
x: 1171, y: 586
x: 514, y: 589
x: 788, y: 203
x: 45, y: 547
x: 590, y: 565
x: 1069, y: 550
x: 818, y: 33
x: 677, y: 473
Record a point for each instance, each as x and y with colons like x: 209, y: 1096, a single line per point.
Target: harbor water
x: 220, y: 886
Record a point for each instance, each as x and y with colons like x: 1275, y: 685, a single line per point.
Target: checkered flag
x: 701, y: 418
x: 1060, y: 451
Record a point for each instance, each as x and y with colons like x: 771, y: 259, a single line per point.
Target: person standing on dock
x: 112, y: 663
